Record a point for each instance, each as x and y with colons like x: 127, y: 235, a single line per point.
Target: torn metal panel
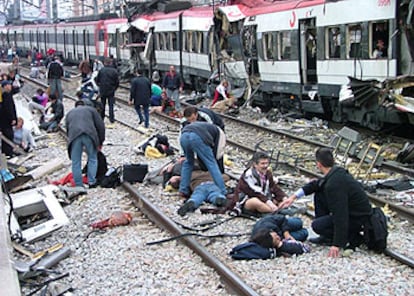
x: 41, y: 204
x: 142, y: 23
x: 232, y: 12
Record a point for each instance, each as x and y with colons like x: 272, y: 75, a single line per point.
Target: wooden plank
x: 47, y: 168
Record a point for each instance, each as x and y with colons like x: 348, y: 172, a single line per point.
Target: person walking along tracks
x: 108, y: 82
x: 140, y: 95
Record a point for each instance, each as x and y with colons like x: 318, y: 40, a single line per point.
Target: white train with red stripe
x: 75, y: 41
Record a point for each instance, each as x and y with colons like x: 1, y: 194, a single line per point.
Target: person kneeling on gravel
x: 203, y: 190
x: 341, y: 205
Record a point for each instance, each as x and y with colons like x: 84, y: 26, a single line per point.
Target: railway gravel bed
x: 117, y: 262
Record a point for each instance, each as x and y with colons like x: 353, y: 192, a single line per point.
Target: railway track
x: 154, y: 195
x: 271, y: 139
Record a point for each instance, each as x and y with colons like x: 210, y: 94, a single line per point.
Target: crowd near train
x: 345, y: 60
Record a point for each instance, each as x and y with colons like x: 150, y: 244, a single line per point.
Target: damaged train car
x: 291, y: 55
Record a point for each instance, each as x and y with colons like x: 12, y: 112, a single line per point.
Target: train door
x: 74, y: 42
x: 31, y: 39
x: 85, y: 43
x: 37, y: 40
x: 115, y: 43
x: 64, y: 44
x: 308, y: 51
x: 45, y: 40
x: 250, y: 49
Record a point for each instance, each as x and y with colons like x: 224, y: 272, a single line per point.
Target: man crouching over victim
x: 341, y: 205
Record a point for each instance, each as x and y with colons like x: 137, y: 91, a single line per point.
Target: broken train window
x: 378, y: 41
x: 285, y: 45
x: 354, y: 41
x: 269, y: 46
x: 333, y: 42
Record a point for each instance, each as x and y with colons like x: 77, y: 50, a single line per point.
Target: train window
x: 91, y: 38
x: 333, y: 42
x: 101, y: 35
x: 184, y: 41
x: 174, y: 41
x: 157, y: 41
x: 111, y: 40
x: 285, y: 45
x: 189, y: 42
x: 269, y: 46
x: 194, y: 42
x: 200, y: 42
x: 379, y: 36
x: 354, y: 41
x: 235, y: 47
x: 164, y: 43
x: 69, y: 39
x: 80, y: 39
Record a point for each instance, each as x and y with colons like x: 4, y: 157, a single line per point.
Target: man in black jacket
x: 8, y: 116
x: 140, y: 95
x: 341, y: 205
x: 108, y: 82
x: 54, y: 75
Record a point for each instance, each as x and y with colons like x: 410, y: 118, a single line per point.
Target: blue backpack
x: 251, y: 250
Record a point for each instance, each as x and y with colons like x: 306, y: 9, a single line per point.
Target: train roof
x: 245, y: 8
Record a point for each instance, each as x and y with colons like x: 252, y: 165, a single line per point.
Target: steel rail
x: 231, y: 280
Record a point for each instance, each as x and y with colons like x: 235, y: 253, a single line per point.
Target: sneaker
x: 188, y: 206
x: 221, y: 201
x: 321, y: 240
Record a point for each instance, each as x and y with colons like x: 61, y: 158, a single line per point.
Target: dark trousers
x: 6, y: 148
x: 323, y: 223
x: 111, y: 102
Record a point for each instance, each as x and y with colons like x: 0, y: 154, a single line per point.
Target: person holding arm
x: 341, y: 205
x: 257, y: 189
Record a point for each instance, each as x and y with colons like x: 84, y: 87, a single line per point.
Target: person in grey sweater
x: 85, y: 129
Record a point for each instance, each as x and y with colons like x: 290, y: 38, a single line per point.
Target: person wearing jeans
x: 205, y: 140
x: 86, y: 130
x: 203, y: 190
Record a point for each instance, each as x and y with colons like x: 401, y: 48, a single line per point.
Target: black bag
x: 112, y: 178
x: 376, y: 231
x: 134, y: 172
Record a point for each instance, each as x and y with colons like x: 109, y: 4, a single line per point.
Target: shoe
x: 90, y: 186
x: 188, y: 206
x: 321, y: 240
x: 140, y: 122
x: 221, y: 201
x: 183, y: 195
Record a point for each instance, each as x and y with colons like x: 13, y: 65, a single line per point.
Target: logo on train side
x: 384, y: 3
x: 234, y: 14
x: 292, y: 21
